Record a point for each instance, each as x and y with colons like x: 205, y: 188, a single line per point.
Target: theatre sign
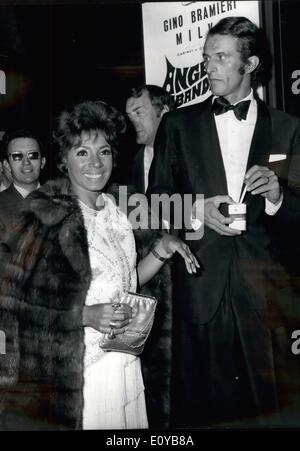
x: 174, y: 35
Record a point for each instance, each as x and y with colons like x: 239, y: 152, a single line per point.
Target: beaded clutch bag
x: 133, y: 340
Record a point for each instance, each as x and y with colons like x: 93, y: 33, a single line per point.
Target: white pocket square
x: 277, y: 157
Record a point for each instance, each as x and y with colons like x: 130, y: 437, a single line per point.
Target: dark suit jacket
x: 188, y: 159
x: 137, y: 178
x: 11, y: 203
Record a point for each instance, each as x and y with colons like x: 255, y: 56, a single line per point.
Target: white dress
x: 113, y: 389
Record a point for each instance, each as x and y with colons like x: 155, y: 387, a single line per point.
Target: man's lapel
x: 261, y: 144
x: 138, y: 170
x: 15, y: 198
x: 212, y: 155
x: 142, y: 169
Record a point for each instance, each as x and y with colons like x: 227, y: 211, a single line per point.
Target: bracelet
x: 159, y: 257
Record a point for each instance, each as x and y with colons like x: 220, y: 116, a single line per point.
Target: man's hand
x: 261, y: 180
x: 214, y: 219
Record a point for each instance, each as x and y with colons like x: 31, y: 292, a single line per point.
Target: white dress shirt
x: 2, y: 187
x: 148, y: 157
x: 235, y: 139
x: 24, y: 192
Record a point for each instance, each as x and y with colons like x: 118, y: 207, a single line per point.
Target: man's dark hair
x: 20, y: 133
x: 158, y: 96
x: 87, y: 117
x: 251, y: 41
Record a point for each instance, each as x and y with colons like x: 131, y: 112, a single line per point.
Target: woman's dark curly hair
x: 87, y: 117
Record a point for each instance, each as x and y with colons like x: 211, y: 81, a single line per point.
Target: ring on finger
x: 111, y: 334
x: 116, y: 306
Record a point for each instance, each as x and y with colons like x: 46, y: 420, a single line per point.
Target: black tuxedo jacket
x: 11, y: 203
x: 188, y: 159
x: 137, y: 174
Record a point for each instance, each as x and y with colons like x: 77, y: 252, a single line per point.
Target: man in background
x: 22, y: 156
x: 145, y: 108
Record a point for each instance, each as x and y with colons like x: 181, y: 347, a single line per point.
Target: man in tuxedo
x: 231, y: 357
x: 145, y: 108
x: 22, y: 156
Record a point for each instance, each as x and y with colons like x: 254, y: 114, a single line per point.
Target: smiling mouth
x: 93, y: 176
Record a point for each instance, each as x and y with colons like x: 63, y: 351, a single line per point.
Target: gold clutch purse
x: 133, y: 340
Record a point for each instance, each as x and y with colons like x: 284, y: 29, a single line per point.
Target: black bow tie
x: 222, y: 105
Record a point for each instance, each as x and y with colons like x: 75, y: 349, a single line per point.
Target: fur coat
x: 42, y: 295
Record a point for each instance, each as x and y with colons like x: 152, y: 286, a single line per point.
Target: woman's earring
x: 63, y: 168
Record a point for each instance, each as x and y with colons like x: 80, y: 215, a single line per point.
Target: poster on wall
x: 174, y: 35
x: 2, y: 90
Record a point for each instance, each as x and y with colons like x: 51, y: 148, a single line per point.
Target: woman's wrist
x: 160, y: 252
x: 158, y: 256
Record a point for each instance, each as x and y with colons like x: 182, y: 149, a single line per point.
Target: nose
x: 25, y: 160
x: 96, y: 161
x: 210, y: 67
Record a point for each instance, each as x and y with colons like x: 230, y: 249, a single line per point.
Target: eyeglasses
x: 31, y: 155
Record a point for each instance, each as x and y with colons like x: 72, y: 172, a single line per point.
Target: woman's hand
x: 107, y: 317
x: 170, y: 244
x: 163, y: 250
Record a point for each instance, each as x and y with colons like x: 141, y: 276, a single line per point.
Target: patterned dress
x: 113, y: 385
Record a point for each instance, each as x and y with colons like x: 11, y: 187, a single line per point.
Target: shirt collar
x: 252, y: 112
x: 24, y: 192
x: 149, y: 148
x: 250, y: 96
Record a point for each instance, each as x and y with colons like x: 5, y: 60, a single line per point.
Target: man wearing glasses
x: 22, y: 156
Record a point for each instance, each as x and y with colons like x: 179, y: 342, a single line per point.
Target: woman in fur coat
x: 69, y: 260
